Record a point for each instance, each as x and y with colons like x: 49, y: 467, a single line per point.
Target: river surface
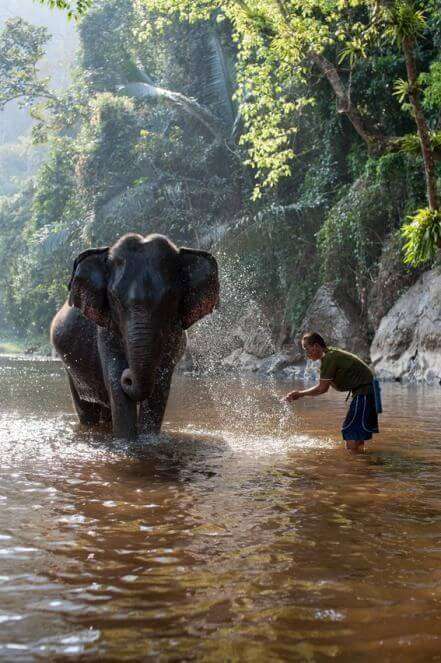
x: 244, y: 532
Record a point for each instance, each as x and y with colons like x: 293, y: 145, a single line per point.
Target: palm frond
x: 50, y: 241
x: 220, y: 85
x: 192, y: 107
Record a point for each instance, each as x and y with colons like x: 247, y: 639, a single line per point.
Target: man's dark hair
x: 312, y: 338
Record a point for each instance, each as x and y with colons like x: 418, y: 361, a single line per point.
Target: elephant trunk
x: 143, y: 353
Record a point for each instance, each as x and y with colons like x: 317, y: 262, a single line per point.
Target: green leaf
x: 422, y: 233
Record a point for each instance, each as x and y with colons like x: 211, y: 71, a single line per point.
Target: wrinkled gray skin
x: 122, y: 330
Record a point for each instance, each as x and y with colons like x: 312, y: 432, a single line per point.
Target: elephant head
x: 145, y: 290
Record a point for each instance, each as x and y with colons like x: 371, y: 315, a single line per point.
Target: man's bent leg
x: 355, y: 446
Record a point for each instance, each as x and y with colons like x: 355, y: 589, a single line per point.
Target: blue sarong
x: 361, y: 420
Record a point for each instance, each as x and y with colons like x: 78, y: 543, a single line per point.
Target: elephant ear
x: 201, y: 282
x: 88, y: 285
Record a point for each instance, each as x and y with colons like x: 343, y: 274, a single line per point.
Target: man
x: 344, y: 372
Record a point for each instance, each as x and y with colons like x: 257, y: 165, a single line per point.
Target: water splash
x: 257, y: 445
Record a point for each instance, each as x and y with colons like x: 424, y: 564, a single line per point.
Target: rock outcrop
x: 278, y: 363
x: 254, y: 334
x: 251, y: 341
x: 393, y: 279
x: 407, y: 344
x: 337, y: 321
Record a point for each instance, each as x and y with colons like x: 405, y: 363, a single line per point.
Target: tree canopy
x: 74, y: 8
x: 299, y: 136
x: 21, y: 47
x: 282, y: 44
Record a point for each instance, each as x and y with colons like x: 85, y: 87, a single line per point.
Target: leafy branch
x: 74, y: 9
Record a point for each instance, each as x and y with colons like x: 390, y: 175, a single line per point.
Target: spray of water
x: 252, y: 419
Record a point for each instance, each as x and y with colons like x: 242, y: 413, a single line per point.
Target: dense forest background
x: 153, y: 135
x: 20, y: 157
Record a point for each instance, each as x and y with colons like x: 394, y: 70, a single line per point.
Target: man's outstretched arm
x: 320, y: 388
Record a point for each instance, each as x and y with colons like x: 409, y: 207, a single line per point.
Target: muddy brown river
x: 244, y: 533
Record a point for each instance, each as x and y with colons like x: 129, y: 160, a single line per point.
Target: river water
x: 244, y: 533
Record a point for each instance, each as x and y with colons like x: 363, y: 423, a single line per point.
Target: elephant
x: 122, y: 331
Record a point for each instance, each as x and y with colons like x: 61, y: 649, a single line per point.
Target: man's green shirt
x: 346, y: 371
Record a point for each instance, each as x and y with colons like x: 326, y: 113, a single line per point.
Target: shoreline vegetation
x: 34, y: 347
x: 278, y: 365
x: 300, y: 147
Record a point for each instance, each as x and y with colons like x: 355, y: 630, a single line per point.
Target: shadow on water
x: 166, y: 456
x: 400, y: 462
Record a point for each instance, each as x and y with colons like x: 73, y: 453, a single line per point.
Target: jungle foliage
x: 284, y: 134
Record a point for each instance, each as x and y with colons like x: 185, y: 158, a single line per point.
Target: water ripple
x: 243, y: 532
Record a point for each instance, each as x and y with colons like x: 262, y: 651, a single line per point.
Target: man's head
x: 314, y: 345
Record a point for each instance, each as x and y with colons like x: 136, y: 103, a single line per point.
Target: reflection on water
x: 244, y: 532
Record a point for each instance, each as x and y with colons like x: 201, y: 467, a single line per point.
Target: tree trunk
x: 422, y: 128
x: 375, y: 141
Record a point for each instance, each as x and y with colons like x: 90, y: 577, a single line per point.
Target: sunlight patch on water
x: 261, y: 445
x: 61, y: 440
x: 14, y: 428
x: 53, y: 440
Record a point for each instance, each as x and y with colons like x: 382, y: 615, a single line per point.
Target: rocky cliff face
x: 249, y: 343
x: 407, y: 344
x: 392, y: 280
x: 337, y: 321
x: 254, y: 345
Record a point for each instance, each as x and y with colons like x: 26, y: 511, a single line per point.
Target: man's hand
x: 292, y: 396
x: 320, y: 388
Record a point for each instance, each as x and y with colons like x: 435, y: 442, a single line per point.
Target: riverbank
x: 32, y: 346
x: 280, y: 366
x: 9, y: 347
x: 403, y: 343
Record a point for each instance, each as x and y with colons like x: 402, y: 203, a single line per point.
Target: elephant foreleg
x: 124, y: 413
x: 151, y: 411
